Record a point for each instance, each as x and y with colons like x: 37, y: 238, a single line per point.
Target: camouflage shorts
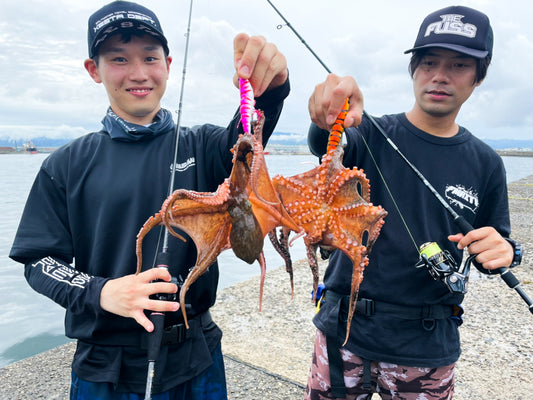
x: 391, y: 381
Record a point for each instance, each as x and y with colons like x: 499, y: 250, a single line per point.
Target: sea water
x: 31, y: 323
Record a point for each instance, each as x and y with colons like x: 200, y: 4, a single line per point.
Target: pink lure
x: 247, y: 104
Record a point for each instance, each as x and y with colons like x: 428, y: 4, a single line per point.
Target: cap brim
x: 461, y: 49
x: 148, y: 29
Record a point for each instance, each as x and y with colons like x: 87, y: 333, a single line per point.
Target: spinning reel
x: 443, y: 267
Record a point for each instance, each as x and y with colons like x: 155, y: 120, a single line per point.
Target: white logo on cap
x: 131, y: 15
x: 451, y: 24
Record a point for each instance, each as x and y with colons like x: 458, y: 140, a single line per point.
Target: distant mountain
x: 288, y: 139
x: 39, y: 142
x: 499, y: 144
x: 281, y: 138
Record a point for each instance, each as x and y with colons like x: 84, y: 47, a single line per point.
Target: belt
x: 369, y: 307
x: 176, y: 334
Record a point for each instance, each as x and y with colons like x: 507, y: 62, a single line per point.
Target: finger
x: 154, y: 274
x: 334, y: 110
x: 491, y: 247
x: 260, y: 73
x: 312, y: 107
x: 270, y: 70
x: 334, y: 96
x: 455, y: 238
x: 246, y: 58
x: 161, y: 287
x: 491, y: 260
x: 279, y: 69
x: 480, y: 239
x: 162, y: 306
x: 341, y: 89
x: 239, y: 44
x: 142, y: 320
x: 318, y: 106
x: 466, y: 241
x: 355, y: 114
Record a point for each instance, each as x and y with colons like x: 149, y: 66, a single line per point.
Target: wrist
x: 517, y: 252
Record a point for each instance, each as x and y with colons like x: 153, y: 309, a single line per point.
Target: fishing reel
x: 443, y: 267
x: 167, y: 296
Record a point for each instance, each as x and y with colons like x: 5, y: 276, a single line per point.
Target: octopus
x: 332, y: 205
x: 237, y: 216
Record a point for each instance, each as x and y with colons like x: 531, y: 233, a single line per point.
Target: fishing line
x: 372, y: 120
x: 463, y: 225
x: 178, y: 122
x: 404, y: 222
x: 163, y: 231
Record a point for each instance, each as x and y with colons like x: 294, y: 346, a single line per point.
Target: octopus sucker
x: 336, y: 204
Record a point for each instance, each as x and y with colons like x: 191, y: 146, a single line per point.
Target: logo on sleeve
x: 62, y: 273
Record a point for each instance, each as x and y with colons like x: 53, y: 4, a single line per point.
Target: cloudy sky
x: 47, y: 92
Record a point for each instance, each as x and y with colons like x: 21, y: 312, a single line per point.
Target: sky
x: 47, y: 91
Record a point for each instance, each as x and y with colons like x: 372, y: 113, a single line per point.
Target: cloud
x: 43, y: 45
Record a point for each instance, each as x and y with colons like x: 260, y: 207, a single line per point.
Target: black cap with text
x: 457, y: 28
x: 122, y: 15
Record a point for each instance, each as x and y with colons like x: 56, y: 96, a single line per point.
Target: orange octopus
x: 244, y: 208
x: 332, y: 204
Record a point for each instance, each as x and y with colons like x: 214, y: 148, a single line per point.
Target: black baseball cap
x: 457, y: 28
x: 122, y: 15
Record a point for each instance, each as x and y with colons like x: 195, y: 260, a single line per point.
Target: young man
x: 404, y: 338
x: 91, y: 197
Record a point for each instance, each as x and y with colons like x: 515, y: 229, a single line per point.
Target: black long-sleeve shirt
x: 89, y: 201
x: 464, y: 171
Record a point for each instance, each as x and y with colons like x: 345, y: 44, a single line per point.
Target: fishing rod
x: 464, y: 226
x: 163, y: 258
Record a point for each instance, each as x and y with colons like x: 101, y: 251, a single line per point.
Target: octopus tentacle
x: 244, y: 208
x: 311, y: 249
x: 148, y: 225
x: 281, y: 244
x: 332, y: 204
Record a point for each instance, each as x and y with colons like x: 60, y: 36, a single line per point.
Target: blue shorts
x: 209, y: 385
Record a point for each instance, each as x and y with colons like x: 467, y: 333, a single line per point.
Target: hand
x: 492, y: 250
x: 129, y: 296
x: 260, y: 62
x: 327, y: 100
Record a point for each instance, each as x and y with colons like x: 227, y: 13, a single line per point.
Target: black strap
x: 367, y: 372
x: 336, y: 370
x: 369, y: 307
x: 178, y: 333
x: 333, y: 345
